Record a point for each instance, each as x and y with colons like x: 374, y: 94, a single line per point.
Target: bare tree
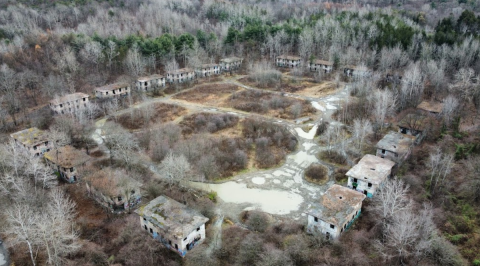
x: 175, y: 168
x: 135, y: 62
x: 411, y: 91
x: 68, y: 65
x: 450, y: 109
x: 22, y: 227
x: 121, y: 143
x: 9, y: 85
x: 92, y: 53
x: 392, y: 198
x: 436, y: 75
x: 111, y: 52
x: 408, y: 236
x: 465, y: 83
x: 40, y: 173
x: 472, y: 187
x: 385, y: 102
x: 361, y: 129
x: 56, y: 228
x: 439, y: 165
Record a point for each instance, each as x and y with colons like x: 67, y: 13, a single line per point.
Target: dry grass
x: 161, y: 112
x: 211, y: 94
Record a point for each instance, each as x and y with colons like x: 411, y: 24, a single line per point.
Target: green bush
x: 212, y: 196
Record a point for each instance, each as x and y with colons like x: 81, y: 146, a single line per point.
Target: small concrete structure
x: 113, y: 90
x: 4, y: 258
x: 395, y: 146
x: 335, y: 212
x: 369, y: 174
x: 230, y: 63
x: 172, y: 223
x: 34, y: 140
x: 69, y: 103
x: 149, y: 82
x: 114, y: 190
x: 180, y: 75
x: 207, y: 70
x: 356, y: 71
x: 432, y: 107
x: 288, y: 61
x: 394, y: 77
x: 413, y: 125
x: 321, y: 65
x: 66, y: 161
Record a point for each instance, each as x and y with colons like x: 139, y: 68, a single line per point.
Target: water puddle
x: 271, y: 201
x: 317, y: 106
x: 305, y: 135
x: 331, y: 107
x: 303, y: 158
x: 258, y: 180
x: 308, y: 145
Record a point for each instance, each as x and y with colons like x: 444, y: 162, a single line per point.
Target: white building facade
x: 69, y: 103
x: 369, y: 174
x: 150, y: 82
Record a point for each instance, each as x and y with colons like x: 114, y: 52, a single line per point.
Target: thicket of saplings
x: 216, y: 156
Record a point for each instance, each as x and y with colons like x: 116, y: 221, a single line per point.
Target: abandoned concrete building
x: 207, y: 70
x: 431, y: 107
x: 335, y: 212
x: 413, y: 125
x: 288, y: 61
x: 112, y: 90
x: 395, y: 147
x: 150, y: 82
x: 114, y: 190
x: 173, y: 224
x: 180, y: 75
x: 369, y: 174
x: 321, y: 65
x: 69, y: 103
x: 66, y: 161
x: 230, y: 63
x: 356, y: 71
x: 33, y: 140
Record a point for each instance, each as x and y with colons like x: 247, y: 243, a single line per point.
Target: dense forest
x: 429, y: 214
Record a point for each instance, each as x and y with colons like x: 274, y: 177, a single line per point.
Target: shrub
x: 317, y: 173
x: 339, y: 174
x: 257, y: 221
x: 249, y: 250
x: 333, y: 157
x: 212, y: 196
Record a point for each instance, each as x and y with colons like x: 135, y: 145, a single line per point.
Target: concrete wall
x: 147, y: 85
x: 317, y: 67
x: 113, y: 93
x: 70, y: 106
x: 362, y: 186
x: 40, y: 148
x: 181, y: 246
x: 288, y: 63
x: 70, y: 175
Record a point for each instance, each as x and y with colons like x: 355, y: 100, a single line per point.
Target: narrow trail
x: 216, y: 229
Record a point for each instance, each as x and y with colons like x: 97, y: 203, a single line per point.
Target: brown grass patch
x: 159, y: 112
x: 269, y: 103
x: 210, y: 94
x: 207, y: 122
